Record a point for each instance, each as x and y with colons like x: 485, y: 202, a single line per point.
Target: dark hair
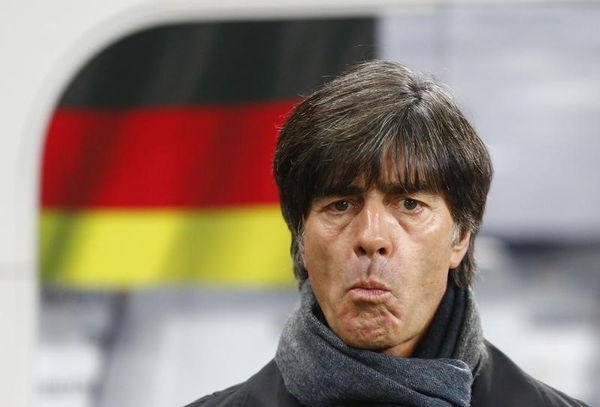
x: 379, y: 110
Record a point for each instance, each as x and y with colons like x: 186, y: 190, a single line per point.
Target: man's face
x: 378, y: 262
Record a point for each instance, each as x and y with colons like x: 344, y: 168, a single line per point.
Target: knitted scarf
x: 320, y: 370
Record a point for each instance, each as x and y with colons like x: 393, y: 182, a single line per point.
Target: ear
x: 459, y: 249
x: 302, y: 257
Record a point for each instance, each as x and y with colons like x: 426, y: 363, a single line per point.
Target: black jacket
x: 500, y: 383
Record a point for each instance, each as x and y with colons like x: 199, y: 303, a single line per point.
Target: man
x: 383, y: 184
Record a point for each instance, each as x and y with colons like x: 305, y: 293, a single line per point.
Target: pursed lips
x: 369, y: 290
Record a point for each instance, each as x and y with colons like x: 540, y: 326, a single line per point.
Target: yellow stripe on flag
x: 133, y: 248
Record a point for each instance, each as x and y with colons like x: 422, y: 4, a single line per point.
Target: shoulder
x: 231, y: 396
x: 501, y: 382
x: 265, y: 388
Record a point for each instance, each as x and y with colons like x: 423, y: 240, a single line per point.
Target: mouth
x: 369, y: 290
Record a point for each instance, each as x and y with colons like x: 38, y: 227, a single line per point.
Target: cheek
x: 426, y: 265
x: 434, y: 246
x: 313, y: 254
x: 319, y: 247
x: 326, y: 261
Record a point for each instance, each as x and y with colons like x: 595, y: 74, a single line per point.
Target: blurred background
x: 163, y: 261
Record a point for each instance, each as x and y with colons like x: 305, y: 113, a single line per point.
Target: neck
x: 405, y: 349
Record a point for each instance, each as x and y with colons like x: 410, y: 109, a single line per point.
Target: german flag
x: 157, y: 164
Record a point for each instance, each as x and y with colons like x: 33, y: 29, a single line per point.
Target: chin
x: 369, y: 334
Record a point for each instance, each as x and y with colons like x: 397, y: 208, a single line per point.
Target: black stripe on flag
x: 207, y: 63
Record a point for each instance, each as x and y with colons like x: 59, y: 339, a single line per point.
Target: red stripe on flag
x: 206, y: 156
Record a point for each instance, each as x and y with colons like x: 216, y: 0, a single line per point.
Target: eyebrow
x: 352, y: 189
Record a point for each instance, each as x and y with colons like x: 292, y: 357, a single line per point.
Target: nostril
x: 382, y: 251
x: 361, y: 251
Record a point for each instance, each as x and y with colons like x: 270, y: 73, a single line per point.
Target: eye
x: 410, y: 204
x: 341, y: 206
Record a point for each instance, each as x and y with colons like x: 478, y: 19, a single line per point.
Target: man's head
x: 382, y: 182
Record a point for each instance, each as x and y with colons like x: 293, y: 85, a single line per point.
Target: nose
x: 373, y: 232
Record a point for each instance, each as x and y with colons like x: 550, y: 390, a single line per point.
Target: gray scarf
x: 320, y: 370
